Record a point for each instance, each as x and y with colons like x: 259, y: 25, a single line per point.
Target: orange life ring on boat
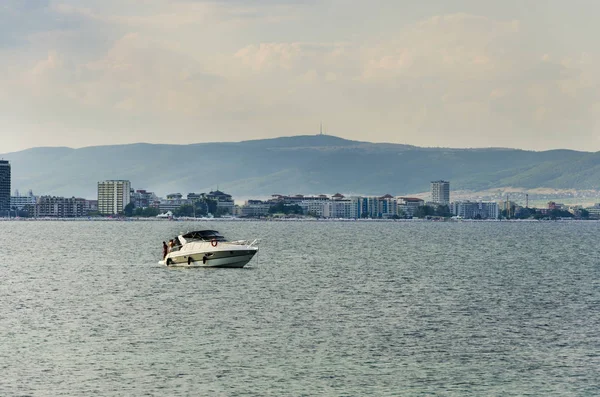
x: 214, y: 242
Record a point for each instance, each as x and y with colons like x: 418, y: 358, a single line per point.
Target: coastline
x: 133, y: 219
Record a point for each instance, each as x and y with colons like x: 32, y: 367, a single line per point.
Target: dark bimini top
x: 204, y: 235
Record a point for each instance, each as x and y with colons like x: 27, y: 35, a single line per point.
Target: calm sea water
x: 327, y: 308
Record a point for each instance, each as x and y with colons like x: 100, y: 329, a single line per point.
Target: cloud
x: 267, y: 68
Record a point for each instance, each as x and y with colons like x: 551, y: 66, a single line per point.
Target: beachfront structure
x: 143, y: 199
x: 339, y: 206
x: 58, y: 207
x: 173, y: 201
x: 91, y: 206
x: 350, y: 208
x: 508, y: 207
x: 4, y: 188
x: 407, y: 206
x: 377, y: 207
x: 440, y: 192
x: 314, y: 207
x: 475, y: 209
x: 387, y: 206
x: 297, y: 199
x: 18, y: 201
x: 196, y: 196
x: 342, y: 208
x: 368, y: 207
x: 594, y: 211
x: 254, y: 208
x: 224, y: 201
x: 113, y: 196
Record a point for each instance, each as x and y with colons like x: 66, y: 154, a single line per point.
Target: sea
x: 324, y: 309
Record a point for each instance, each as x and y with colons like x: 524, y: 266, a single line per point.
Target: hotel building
x: 472, y: 210
x: 407, y: 206
x: 173, y: 201
x: 113, y: 196
x: 60, y: 207
x: 440, y: 192
x: 18, y: 202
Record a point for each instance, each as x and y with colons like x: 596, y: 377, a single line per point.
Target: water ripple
x: 344, y: 309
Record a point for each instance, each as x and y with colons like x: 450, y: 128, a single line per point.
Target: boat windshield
x: 204, y: 235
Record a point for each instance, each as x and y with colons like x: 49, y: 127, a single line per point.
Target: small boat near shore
x: 208, y: 248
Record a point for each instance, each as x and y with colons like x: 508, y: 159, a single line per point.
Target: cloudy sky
x: 460, y: 73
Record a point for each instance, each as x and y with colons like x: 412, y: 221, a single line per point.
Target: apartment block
x: 4, y: 187
x: 60, y: 207
x: 440, y: 192
x: 113, y: 196
x: 475, y: 209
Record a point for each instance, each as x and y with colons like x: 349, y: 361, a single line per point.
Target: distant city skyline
x: 460, y: 74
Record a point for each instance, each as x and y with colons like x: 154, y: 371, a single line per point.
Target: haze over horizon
x: 465, y: 74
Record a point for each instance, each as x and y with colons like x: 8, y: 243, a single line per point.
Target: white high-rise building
x: 345, y: 208
x: 440, y: 192
x: 113, y: 196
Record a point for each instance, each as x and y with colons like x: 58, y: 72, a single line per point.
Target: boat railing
x: 245, y: 242
x: 175, y: 248
x: 249, y: 243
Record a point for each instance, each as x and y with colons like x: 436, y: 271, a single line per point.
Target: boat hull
x: 217, y: 259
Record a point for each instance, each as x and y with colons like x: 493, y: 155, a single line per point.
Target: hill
x: 299, y: 164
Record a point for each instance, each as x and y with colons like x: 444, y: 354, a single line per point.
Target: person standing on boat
x: 165, y: 250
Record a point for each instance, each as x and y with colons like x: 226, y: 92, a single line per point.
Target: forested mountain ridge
x: 300, y: 164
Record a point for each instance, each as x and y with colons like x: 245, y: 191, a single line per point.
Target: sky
x: 440, y: 73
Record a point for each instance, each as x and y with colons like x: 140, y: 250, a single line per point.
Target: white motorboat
x: 208, y: 248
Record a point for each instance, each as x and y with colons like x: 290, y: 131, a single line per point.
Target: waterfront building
x: 323, y: 206
x: 556, y: 206
x: 254, y: 208
x: 342, y: 208
x: 378, y: 207
x: 4, y: 188
x: 91, y: 206
x: 18, y: 202
x: 387, y: 206
x: 408, y: 205
x: 173, y: 201
x: 143, y: 199
x: 313, y: 207
x: 440, y: 192
x: 475, y: 209
x: 224, y: 201
x: 509, y: 207
x: 196, y: 196
x: 297, y: 199
x: 368, y: 207
x: 60, y: 207
x: 113, y: 196
x: 594, y: 211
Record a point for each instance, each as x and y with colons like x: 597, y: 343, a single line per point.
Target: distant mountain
x: 299, y: 164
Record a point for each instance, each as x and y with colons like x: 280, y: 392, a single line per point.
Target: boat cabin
x: 202, y: 235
